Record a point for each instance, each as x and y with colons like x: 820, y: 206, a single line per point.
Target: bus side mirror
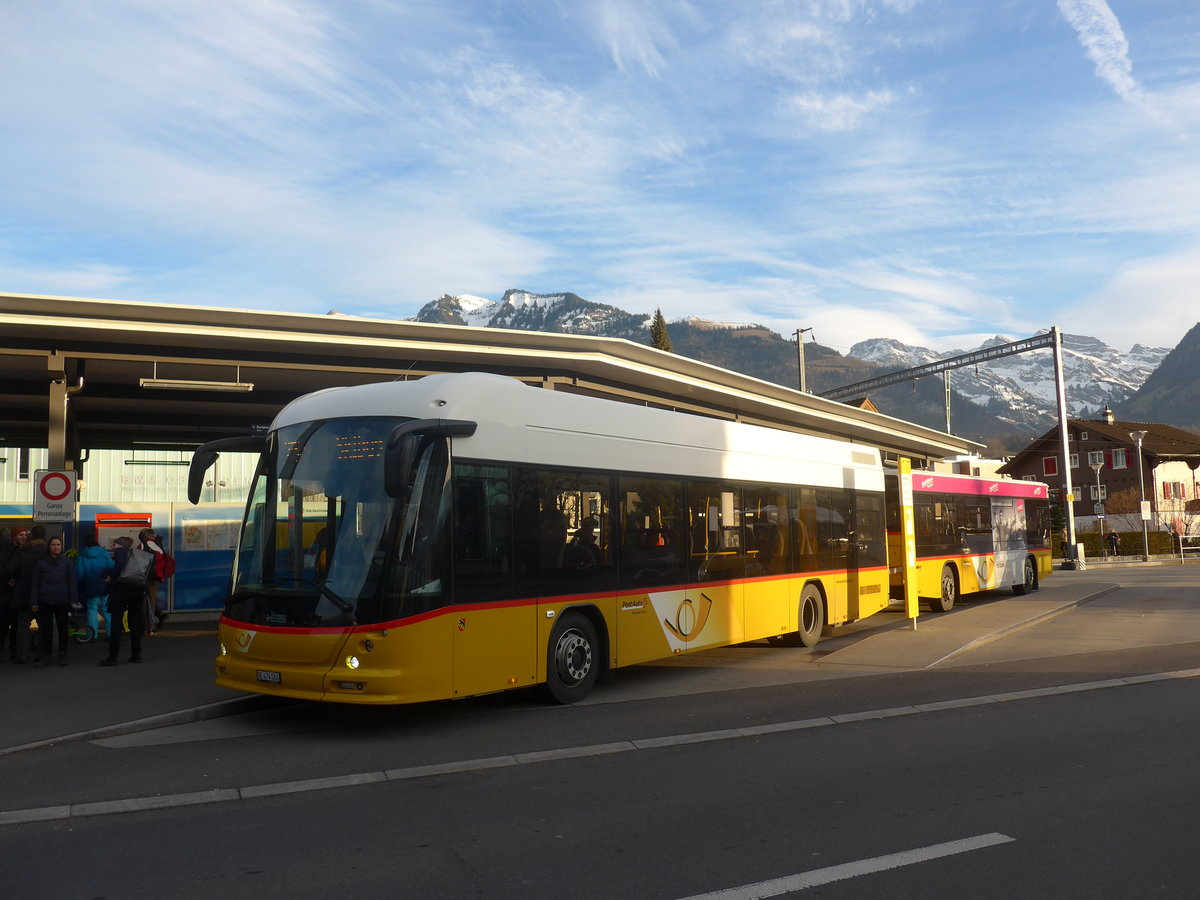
x: 404, y: 445
x: 398, y: 461
x: 206, y: 455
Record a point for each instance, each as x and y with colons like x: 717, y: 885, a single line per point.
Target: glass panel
x: 483, y: 536
x: 316, y: 542
x: 869, y: 537
x: 835, y: 516
x: 804, y: 533
x: 652, y: 546
x: 768, y: 529
x: 567, y: 519
x: 715, y: 532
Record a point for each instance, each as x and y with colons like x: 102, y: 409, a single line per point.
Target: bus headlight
x: 351, y: 662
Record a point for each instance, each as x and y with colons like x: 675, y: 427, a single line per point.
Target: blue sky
x: 937, y: 171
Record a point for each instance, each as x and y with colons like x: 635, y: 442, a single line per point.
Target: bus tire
x: 810, y: 620
x: 1030, y: 583
x: 573, y: 659
x: 949, y: 583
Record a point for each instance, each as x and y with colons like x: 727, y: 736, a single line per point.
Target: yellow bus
x: 972, y: 534
x: 462, y: 534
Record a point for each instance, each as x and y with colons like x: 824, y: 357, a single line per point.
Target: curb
x: 217, y: 710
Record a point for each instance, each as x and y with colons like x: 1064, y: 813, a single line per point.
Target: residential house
x: 1104, y: 464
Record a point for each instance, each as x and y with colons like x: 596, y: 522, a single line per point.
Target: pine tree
x: 658, y: 333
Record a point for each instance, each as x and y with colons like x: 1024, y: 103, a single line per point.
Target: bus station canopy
x: 83, y: 374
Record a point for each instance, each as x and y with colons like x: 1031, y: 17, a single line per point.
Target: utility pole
x: 799, y: 334
x: 1068, y: 498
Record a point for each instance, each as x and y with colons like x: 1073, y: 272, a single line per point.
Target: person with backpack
x: 164, y: 568
x: 125, y: 597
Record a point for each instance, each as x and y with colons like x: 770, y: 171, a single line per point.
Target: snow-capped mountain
x: 1011, y: 398
x: 563, y: 313
x: 1020, y: 389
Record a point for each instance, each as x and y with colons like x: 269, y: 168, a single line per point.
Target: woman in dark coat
x: 55, y: 588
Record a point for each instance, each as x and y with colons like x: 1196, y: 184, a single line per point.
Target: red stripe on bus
x: 535, y: 601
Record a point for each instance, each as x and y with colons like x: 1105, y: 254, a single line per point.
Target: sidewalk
x: 174, y: 679
x: 971, y: 624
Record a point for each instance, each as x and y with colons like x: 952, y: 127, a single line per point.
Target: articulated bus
x: 972, y: 534
x: 462, y: 534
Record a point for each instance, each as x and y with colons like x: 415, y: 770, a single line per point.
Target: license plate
x: 269, y: 677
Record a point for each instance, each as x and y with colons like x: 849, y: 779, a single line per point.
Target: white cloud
x: 1103, y: 39
x: 1151, y: 301
x: 635, y: 34
x: 839, y: 112
x: 95, y: 280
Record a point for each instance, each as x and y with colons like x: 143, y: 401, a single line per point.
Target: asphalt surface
x: 174, y: 683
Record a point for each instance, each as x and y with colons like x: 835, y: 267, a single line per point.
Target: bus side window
x: 652, y: 546
x: 869, y: 533
x: 483, y: 545
x: 714, y: 523
x: 804, y: 542
x: 564, y: 533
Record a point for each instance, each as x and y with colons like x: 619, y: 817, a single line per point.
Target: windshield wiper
x: 337, y: 601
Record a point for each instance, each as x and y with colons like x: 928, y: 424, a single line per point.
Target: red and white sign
x: 54, y: 495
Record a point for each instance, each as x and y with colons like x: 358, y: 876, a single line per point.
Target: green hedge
x: 1162, y: 543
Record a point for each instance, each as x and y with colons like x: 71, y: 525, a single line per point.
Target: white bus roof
x: 553, y: 428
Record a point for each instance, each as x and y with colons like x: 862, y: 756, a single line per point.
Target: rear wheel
x: 949, y: 583
x: 573, y: 659
x: 811, y: 619
x: 1030, y: 582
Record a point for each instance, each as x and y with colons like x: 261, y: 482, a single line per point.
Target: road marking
x: 135, y: 804
x: 817, y: 877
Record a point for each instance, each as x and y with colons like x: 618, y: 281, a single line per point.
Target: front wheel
x: 85, y: 634
x: 573, y: 659
x: 1030, y: 582
x: 949, y: 583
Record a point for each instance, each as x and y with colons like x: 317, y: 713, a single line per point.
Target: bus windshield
x: 322, y: 544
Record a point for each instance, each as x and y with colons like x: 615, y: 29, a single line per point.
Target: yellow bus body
x: 504, y: 646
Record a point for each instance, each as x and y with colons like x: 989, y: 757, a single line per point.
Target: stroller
x: 77, y: 624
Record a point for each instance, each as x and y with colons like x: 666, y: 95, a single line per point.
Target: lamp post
x: 1096, y: 467
x: 1138, y: 437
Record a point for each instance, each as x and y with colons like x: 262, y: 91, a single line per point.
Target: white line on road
x: 137, y: 804
x: 817, y: 877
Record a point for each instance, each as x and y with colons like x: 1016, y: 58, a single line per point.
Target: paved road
x: 1031, y: 718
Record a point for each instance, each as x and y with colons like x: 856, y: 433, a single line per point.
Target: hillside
x: 1171, y: 394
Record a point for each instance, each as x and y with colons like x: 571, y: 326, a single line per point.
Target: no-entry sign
x: 54, y: 495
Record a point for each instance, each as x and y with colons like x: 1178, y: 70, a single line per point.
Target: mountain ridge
x: 1002, y: 404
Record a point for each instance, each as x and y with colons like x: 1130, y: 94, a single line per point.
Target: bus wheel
x: 573, y: 662
x: 1031, y: 579
x: 945, y: 603
x: 812, y: 617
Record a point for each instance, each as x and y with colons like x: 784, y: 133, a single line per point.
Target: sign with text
x: 54, y: 495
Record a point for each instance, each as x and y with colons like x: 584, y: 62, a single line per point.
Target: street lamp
x: 1096, y: 467
x: 1137, y: 437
